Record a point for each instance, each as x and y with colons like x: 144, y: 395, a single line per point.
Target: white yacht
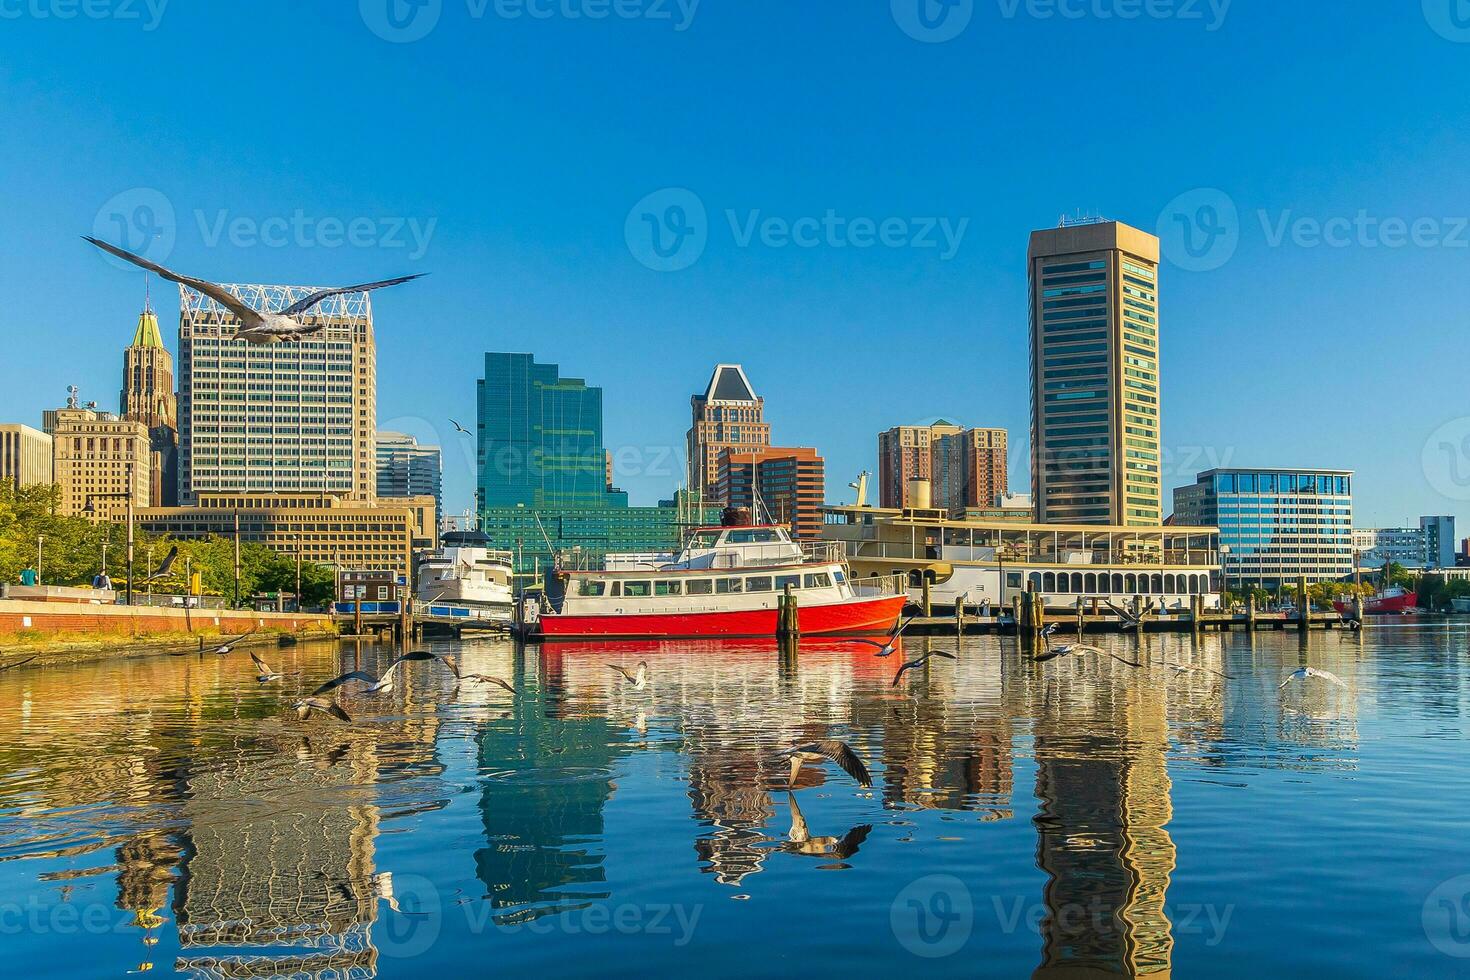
x: 465, y: 573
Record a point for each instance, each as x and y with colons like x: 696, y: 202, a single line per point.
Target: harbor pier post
x: 1250, y: 613
x: 1303, y: 605
x: 928, y: 605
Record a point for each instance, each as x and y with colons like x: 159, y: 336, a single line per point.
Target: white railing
x: 824, y: 551
x: 879, y: 585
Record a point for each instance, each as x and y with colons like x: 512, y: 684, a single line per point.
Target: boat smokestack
x: 736, y: 517
x: 921, y: 497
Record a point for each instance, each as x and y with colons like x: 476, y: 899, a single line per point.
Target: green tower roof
x: 147, y: 334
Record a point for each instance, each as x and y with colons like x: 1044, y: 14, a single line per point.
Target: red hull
x: 862, y: 617
x: 1384, y: 605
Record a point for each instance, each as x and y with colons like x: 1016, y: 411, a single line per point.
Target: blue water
x: 1078, y: 818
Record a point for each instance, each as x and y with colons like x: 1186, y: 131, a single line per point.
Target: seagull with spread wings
x: 326, y: 706
x: 266, y: 675
x: 921, y: 661
x: 1067, y: 649
x: 375, y: 683
x: 256, y: 326
x: 1181, y: 669
x: 827, y: 750
x: 886, y: 648
x: 638, y: 678
x: 168, y: 563
x: 1306, y: 673
x: 460, y: 428
x: 453, y: 664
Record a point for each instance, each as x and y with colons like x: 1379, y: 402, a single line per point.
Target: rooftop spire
x: 147, y: 334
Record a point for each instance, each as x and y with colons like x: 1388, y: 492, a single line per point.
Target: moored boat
x: 1395, y: 601
x: 726, y: 582
x: 467, y: 573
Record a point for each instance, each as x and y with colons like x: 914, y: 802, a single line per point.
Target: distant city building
x: 148, y: 397
x: 542, y: 485
x: 101, y: 459
x: 326, y: 529
x: 1439, y: 541
x: 905, y: 454
x: 1374, y: 546
x: 407, y: 469
x: 1278, y: 524
x: 729, y: 415
x: 25, y: 456
x: 786, y: 486
x: 299, y: 417
x: 965, y: 468
x: 1095, y: 455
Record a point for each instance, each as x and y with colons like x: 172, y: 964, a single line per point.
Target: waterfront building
x: 542, y: 487
x: 25, y: 456
x: 969, y: 468
x: 148, y: 397
x: 905, y: 454
x: 992, y: 560
x: 1278, y: 524
x: 1374, y: 546
x: 407, y: 469
x: 729, y: 415
x: 1439, y: 541
x: 784, y: 485
x: 1095, y: 456
x: 100, y: 459
x: 287, y: 418
x: 323, y: 528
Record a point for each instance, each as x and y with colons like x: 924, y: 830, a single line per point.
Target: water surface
x: 1079, y: 818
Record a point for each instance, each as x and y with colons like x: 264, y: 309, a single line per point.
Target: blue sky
x: 508, y: 155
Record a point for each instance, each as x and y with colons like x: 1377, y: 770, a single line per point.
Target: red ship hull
x: 1396, y: 603
x: 859, y: 617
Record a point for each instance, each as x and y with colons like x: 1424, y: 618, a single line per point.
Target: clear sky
x: 1316, y: 154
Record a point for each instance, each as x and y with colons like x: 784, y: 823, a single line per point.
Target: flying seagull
x: 18, y: 663
x: 453, y: 665
x: 266, y: 674
x: 638, y: 678
x: 256, y: 327
x: 886, y: 649
x: 919, y: 662
x: 1303, y: 673
x: 1182, y: 669
x: 1052, y: 653
x: 1128, y: 621
x: 229, y: 645
x: 374, y: 682
x: 460, y: 427
x: 799, y: 839
x: 822, y: 751
x: 306, y: 706
x: 168, y: 563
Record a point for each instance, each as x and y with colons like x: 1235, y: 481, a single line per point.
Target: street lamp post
x: 40, y: 539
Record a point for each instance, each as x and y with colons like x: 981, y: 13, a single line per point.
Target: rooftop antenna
x: 147, y: 292
x: 73, y: 396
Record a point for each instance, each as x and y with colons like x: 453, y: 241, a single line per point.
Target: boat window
x: 764, y: 537
x: 617, y: 588
x: 668, y: 588
x: 782, y: 581
x: 702, y: 586
x: 704, y: 539
x: 758, y: 583
x: 740, y: 537
x: 589, y: 587
x: 839, y: 576
x: 820, y: 580
x: 728, y: 586
x: 637, y: 589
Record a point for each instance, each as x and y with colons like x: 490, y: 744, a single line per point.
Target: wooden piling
x: 928, y: 606
x: 357, y: 617
x: 1016, y: 607
x: 1081, y: 617
x: 1303, y: 605
x: 1197, y: 613
x: 788, y: 622
x: 1250, y: 613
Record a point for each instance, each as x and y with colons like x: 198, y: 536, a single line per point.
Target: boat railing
x: 876, y: 586
x: 827, y: 552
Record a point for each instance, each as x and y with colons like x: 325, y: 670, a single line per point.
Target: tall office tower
x: 277, y: 418
x: 148, y: 397
x: 1095, y: 375
x: 1439, y: 541
x: 25, y: 456
x: 905, y: 452
x: 102, y: 460
x: 969, y: 469
x: 786, y: 486
x: 406, y: 469
x: 728, y: 415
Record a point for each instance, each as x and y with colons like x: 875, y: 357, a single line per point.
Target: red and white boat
x: 726, y: 582
x: 1396, y: 601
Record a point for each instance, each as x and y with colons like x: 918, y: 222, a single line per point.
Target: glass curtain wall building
x: 1278, y: 524
x: 1095, y: 375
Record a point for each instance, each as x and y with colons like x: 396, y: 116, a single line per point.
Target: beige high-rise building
x: 277, y: 418
x: 728, y: 415
x: 1095, y: 375
x: 98, y: 457
x: 25, y: 456
x: 148, y: 397
x: 965, y: 467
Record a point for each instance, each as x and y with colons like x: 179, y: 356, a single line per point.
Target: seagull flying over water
x: 1303, y: 673
x: 1182, y: 669
x: 375, y: 683
x: 327, y: 706
x: 229, y: 645
x: 799, y: 839
x: 921, y: 661
x: 1067, y: 649
x: 886, y: 649
x: 168, y: 563
x: 828, y: 749
x: 453, y: 664
x: 256, y: 327
x: 266, y: 674
x: 638, y: 678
